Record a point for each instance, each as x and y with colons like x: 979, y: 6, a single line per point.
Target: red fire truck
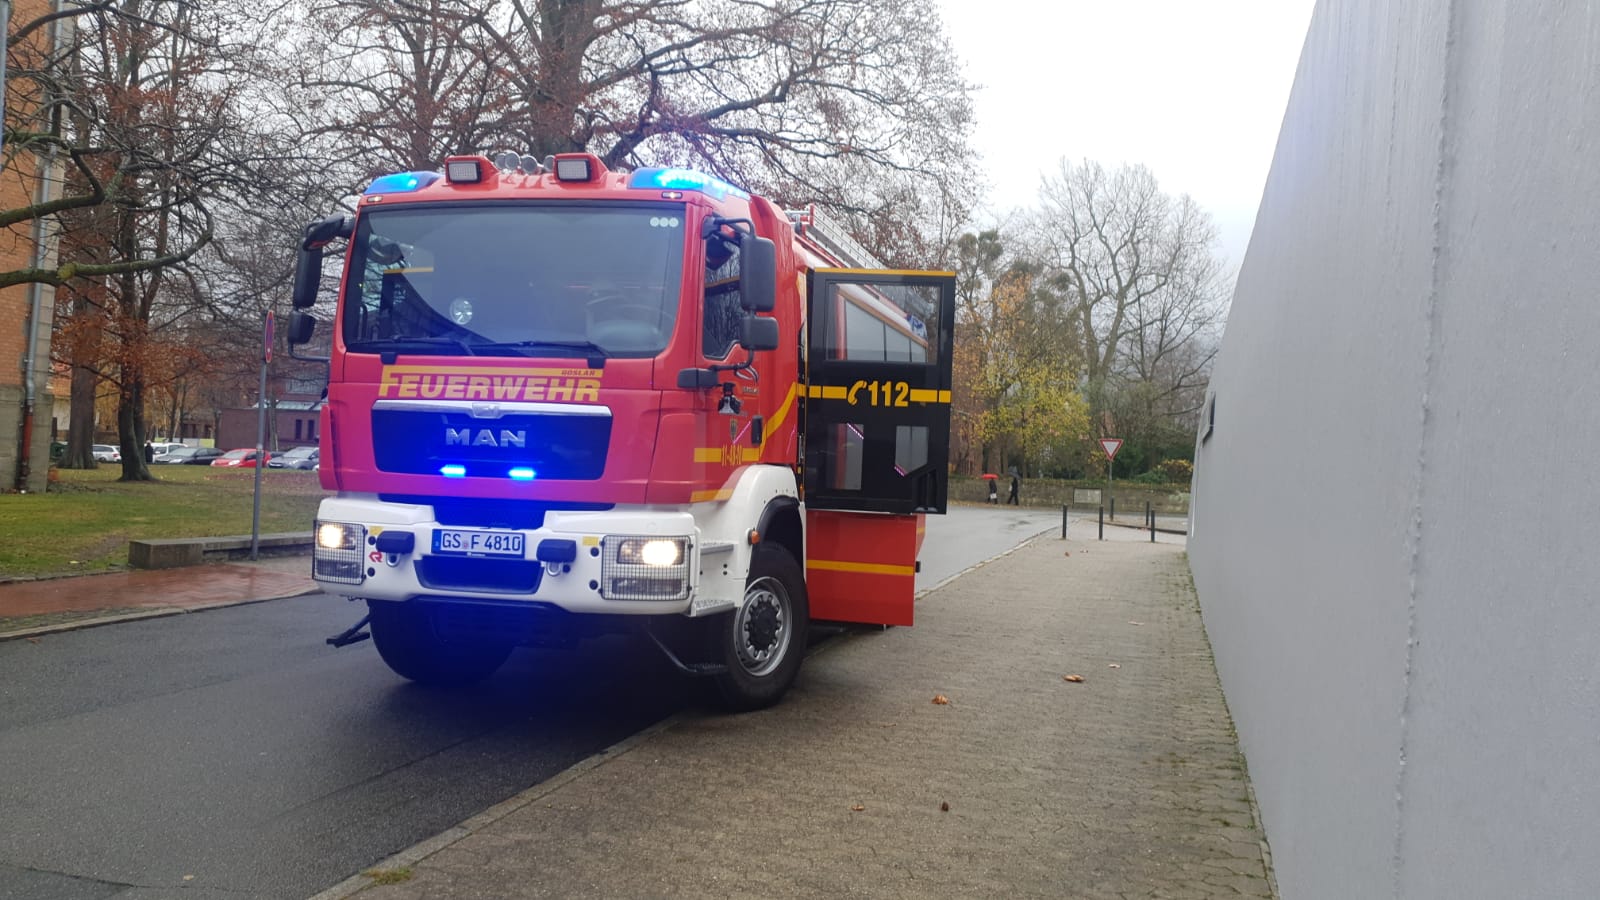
x: 565, y: 401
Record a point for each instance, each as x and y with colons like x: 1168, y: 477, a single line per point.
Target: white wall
x: 1391, y: 537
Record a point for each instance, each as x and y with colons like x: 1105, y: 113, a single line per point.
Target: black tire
x: 763, y: 642
x: 406, y: 640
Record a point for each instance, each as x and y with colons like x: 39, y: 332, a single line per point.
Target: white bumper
x: 595, y: 581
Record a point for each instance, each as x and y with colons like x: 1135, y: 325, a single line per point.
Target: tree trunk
x: 130, y: 427
x: 80, y: 427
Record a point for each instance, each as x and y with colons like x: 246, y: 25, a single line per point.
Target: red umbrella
x: 991, y: 475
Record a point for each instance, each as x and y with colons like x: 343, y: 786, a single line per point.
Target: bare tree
x: 856, y: 104
x: 146, y: 108
x: 1136, y: 268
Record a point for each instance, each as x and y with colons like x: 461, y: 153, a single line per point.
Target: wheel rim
x: 761, y: 627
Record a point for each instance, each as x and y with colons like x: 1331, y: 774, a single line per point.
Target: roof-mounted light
x: 578, y: 167
x: 685, y: 180
x: 464, y: 169
x: 402, y: 182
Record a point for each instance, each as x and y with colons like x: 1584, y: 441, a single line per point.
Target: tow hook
x: 351, y: 635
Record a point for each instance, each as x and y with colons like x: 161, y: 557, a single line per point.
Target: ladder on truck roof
x: 830, y: 237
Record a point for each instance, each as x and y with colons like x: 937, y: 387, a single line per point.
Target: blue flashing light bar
x: 684, y: 180
x: 453, y: 471
x: 521, y: 473
x: 402, y: 182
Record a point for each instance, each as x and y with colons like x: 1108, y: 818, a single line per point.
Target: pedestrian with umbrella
x: 994, y: 486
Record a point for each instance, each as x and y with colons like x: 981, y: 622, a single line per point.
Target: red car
x: 245, y: 458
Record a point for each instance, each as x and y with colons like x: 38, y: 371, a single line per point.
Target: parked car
x: 166, y: 446
x: 245, y: 457
x: 107, y: 453
x: 189, y: 456
x: 296, y: 458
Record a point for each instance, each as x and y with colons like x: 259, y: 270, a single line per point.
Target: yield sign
x: 1111, y: 446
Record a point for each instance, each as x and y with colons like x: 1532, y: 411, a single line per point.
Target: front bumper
x: 590, y: 562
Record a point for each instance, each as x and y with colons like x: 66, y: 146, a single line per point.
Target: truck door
x: 877, y: 435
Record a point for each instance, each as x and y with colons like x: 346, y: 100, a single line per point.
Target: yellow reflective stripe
x: 707, y: 454
x: 825, y: 392
x: 703, y: 496
x: 944, y: 396
x: 783, y: 411
x: 834, y: 565
x: 929, y: 272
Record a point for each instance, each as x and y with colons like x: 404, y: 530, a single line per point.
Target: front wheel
x: 408, y: 643
x: 763, y: 641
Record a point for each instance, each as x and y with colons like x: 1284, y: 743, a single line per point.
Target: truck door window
x: 722, y: 310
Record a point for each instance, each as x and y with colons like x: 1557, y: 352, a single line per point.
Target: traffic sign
x: 1111, y: 446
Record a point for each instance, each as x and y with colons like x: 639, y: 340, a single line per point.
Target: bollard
x: 1113, y: 508
x: 1150, y: 516
x: 1063, y: 521
x: 1102, y: 523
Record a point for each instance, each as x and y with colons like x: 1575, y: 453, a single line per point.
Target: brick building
x: 26, y: 401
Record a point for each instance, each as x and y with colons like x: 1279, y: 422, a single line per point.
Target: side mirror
x: 308, y: 264
x: 307, y: 278
x: 758, y: 273
x: 756, y: 333
x: 300, y: 327
x: 696, y: 379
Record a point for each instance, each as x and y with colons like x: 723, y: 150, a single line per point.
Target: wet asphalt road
x: 233, y: 754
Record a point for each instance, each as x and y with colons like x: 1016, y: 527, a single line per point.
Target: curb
x: 160, y: 613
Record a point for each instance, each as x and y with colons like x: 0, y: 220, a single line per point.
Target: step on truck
x: 565, y: 401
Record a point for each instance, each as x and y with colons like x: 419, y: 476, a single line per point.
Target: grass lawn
x: 84, y: 522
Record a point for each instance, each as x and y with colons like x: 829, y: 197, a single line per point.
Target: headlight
x: 338, y: 536
x: 644, y: 568
x: 338, y: 555
x: 652, y: 552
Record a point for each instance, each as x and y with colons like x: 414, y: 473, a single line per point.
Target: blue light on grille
x: 402, y: 182
x: 521, y: 473
x: 684, y: 180
x: 453, y: 471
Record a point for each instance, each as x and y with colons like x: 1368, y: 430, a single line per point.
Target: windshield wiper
x: 574, y: 348
x: 411, y: 345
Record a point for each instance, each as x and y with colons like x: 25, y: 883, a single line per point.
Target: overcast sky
x: 1194, y: 89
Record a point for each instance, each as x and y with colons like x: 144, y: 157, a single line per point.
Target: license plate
x: 460, y: 542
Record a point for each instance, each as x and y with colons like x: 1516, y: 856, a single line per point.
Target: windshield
x: 238, y: 454
x: 514, y: 280
x: 299, y: 452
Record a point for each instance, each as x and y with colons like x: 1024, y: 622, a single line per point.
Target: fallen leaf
x: 1068, y: 553
x: 857, y: 808
x: 1113, y: 666
x: 188, y: 878
x: 1135, y: 623
x: 944, y: 807
x: 1075, y: 679
x: 941, y: 700
x: 33, y: 640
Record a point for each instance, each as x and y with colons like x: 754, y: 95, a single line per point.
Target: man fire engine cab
x: 565, y: 401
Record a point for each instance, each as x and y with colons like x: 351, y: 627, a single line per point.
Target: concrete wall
x: 1392, y: 532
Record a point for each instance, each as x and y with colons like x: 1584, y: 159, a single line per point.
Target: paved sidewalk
x: 1129, y: 784
x: 30, y: 608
